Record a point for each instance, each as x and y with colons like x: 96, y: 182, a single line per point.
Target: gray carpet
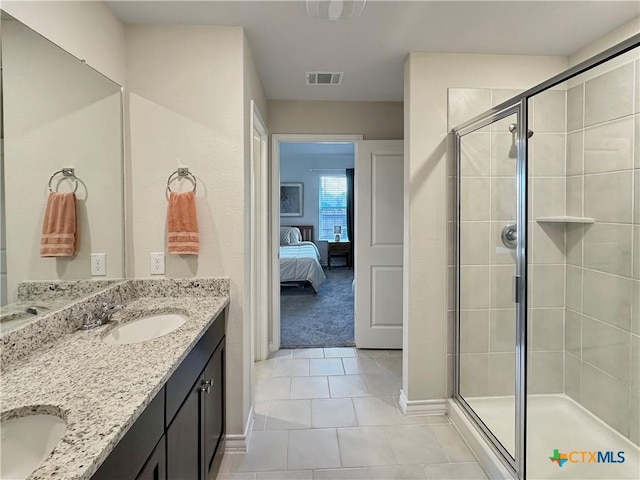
x: 324, y: 319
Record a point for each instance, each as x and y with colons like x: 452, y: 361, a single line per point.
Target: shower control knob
x: 510, y: 235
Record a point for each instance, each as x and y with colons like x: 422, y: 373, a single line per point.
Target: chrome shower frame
x: 519, y: 108
x: 516, y: 105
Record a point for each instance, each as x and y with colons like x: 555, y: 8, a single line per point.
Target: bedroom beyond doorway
x: 317, y: 216
x: 324, y: 319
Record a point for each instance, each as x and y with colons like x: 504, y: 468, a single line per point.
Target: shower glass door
x: 490, y: 166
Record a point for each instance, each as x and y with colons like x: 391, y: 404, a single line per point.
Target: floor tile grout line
x: 266, y: 416
x: 355, y: 412
x: 339, y: 449
x: 426, y: 473
x: 286, y: 458
x: 444, y: 450
x: 386, y: 434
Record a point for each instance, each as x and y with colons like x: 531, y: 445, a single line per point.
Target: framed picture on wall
x: 291, y: 199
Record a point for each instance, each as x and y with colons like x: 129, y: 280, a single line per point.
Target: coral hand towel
x: 59, y: 227
x: 182, y: 223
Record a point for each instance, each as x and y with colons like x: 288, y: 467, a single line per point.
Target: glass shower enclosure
x: 547, y: 272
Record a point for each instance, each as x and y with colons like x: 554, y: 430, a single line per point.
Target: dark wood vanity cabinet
x: 195, y: 436
x: 156, y: 466
x: 131, y: 454
x: 184, y: 439
x: 180, y: 435
x: 213, y: 405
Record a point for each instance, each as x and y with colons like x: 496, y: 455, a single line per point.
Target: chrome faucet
x: 101, y: 316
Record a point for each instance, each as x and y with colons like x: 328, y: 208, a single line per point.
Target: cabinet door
x: 214, y: 404
x: 129, y: 457
x: 156, y: 466
x: 184, y: 438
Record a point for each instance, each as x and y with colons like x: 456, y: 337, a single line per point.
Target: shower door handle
x: 516, y: 288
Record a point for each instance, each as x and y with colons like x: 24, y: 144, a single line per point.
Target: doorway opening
x: 316, y: 229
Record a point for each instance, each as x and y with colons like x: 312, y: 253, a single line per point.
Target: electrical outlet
x: 157, y: 263
x: 98, y: 264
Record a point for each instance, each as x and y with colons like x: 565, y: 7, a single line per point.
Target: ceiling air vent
x: 324, y: 78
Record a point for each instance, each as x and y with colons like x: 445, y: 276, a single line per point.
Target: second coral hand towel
x: 182, y: 224
x: 59, y: 226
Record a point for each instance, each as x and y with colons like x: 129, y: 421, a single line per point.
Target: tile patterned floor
x: 333, y: 414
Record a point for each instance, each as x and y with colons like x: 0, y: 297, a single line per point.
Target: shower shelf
x: 564, y: 219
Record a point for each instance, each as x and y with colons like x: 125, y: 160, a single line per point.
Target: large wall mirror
x: 57, y: 113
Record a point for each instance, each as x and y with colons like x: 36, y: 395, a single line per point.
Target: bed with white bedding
x: 300, y: 258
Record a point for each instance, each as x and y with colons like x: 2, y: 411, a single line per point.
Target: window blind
x: 333, y: 206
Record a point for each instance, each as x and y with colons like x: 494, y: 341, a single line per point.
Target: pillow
x: 290, y: 236
x: 285, y: 235
x: 296, y: 236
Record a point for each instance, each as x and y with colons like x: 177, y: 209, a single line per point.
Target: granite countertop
x: 102, y: 389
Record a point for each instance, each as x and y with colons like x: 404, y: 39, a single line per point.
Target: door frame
x: 274, y: 195
x: 259, y: 224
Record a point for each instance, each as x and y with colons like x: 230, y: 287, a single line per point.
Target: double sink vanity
x: 138, y: 395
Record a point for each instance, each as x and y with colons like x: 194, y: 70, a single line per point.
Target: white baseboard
x: 422, y: 407
x: 239, y: 443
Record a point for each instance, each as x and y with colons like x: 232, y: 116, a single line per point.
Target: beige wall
x: 88, y: 30
x: 428, y: 76
x: 374, y: 120
x: 188, y: 107
x: 59, y: 113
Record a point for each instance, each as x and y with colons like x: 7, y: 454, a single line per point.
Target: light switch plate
x: 98, y: 264
x: 156, y: 266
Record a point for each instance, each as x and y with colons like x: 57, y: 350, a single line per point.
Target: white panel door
x: 378, y: 244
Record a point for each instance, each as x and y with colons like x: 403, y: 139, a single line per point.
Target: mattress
x: 301, y: 263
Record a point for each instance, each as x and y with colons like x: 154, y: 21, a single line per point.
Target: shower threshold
x: 555, y: 422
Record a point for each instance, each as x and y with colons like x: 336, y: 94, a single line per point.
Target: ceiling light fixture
x: 335, y: 9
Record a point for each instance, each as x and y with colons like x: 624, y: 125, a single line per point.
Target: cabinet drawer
x: 132, y: 452
x: 339, y: 248
x: 180, y: 383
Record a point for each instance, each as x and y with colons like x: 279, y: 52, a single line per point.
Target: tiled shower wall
x: 584, y: 337
x: 488, y: 203
x: 602, y: 325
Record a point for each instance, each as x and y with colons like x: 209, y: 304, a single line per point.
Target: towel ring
x: 66, y: 172
x: 182, y: 172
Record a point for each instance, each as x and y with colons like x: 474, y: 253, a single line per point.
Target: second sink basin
x: 144, y: 329
x: 26, y: 442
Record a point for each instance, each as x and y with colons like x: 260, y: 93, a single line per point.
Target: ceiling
x: 286, y: 42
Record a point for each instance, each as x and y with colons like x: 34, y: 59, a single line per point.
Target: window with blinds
x: 333, y: 206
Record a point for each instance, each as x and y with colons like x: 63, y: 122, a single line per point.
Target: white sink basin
x: 26, y: 442
x: 144, y: 329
